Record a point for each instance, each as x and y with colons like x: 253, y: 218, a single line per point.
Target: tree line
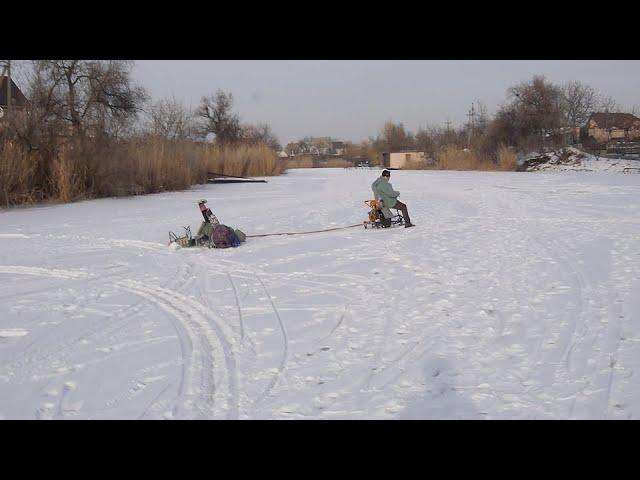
x: 536, y: 115
x: 88, y: 130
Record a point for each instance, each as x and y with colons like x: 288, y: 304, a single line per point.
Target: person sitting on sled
x: 384, y: 192
x: 217, y: 234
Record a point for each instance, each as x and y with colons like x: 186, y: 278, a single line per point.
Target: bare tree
x: 394, y: 137
x: 169, y: 118
x: 260, y: 133
x: 579, y: 102
x: 535, y: 112
x: 86, y: 95
x: 218, y: 118
x: 482, y: 118
x: 427, y: 140
x: 608, y: 104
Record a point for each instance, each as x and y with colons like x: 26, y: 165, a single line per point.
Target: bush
x: 17, y: 167
x: 85, y: 167
x: 452, y: 158
x: 507, y: 159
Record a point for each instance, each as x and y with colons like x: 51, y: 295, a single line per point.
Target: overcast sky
x: 351, y: 99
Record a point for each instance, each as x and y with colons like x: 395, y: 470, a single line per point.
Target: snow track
x: 207, y: 353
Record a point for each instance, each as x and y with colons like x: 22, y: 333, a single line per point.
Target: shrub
x: 86, y: 167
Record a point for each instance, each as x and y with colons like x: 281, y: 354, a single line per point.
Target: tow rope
x: 304, y: 233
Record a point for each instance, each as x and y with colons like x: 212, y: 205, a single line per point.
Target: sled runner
x: 377, y: 218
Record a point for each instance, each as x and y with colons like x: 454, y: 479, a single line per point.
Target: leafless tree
x: 579, y: 102
x: 218, y: 118
x: 538, y: 104
x: 96, y: 95
x: 394, y: 137
x: 608, y: 104
x: 426, y: 140
x: 482, y: 118
x: 260, y: 133
x: 169, y: 118
x: 535, y: 111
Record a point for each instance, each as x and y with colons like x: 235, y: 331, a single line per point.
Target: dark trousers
x: 403, y: 208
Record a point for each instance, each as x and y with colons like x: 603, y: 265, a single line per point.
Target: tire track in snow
x: 86, y: 277
x: 44, y: 272
x: 62, y: 350
x: 335, y: 327
x: 285, y: 353
x: 206, y: 337
x: 581, y: 284
x: 566, y: 257
x: 375, y: 366
x: 178, y: 281
x: 240, y: 318
x: 235, y: 294
x: 189, y: 346
x: 586, y: 294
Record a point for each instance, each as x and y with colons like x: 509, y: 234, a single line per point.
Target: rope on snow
x: 304, y: 233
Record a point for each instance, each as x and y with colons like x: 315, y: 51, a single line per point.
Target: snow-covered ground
x: 576, y: 160
x: 516, y: 296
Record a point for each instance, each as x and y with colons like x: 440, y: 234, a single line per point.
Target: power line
x: 471, y: 116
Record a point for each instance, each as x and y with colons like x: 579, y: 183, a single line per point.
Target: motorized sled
x: 377, y: 218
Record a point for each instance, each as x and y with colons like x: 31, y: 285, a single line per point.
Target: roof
x: 17, y: 97
x: 406, y: 151
x: 611, y: 120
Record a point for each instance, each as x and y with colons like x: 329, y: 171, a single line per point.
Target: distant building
x: 315, y: 146
x: 337, y: 148
x: 18, y: 100
x: 400, y: 159
x: 604, y: 126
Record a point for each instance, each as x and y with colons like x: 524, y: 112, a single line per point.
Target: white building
x: 400, y: 159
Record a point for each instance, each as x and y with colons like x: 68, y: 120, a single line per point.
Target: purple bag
x: 224, y: 237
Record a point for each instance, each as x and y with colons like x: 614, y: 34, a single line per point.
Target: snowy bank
x: 572, y: 159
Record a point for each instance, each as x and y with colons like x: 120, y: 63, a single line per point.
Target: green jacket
x: 382, y: 190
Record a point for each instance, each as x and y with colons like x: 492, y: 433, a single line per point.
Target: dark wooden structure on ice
x: 214, y: 177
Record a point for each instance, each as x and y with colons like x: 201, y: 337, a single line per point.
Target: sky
x: 352, y: 99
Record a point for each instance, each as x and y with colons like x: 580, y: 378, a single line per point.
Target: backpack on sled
x: 224, y: 237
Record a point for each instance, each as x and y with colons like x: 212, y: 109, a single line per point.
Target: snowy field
x: 517, y: 296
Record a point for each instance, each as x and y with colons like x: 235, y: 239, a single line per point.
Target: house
x: 315, y: 146
x: 337, y: 148
x: 18, y: 99
x: 400, y: 159
x: 605, y: 126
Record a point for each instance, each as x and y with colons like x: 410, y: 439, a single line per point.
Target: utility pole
x: 447, y: 135
x: 471, y: 115
x: 6, y: 71
x: 8, y: 86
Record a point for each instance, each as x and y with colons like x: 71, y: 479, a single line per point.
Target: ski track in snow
x: 515, y: 297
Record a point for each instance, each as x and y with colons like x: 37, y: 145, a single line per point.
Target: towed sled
x: 211, y: 234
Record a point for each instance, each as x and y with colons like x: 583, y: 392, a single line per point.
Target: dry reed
x: 98, y: 167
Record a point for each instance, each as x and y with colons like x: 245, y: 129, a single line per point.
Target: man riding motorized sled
x: 211, y: 233
x: 383, y: 192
